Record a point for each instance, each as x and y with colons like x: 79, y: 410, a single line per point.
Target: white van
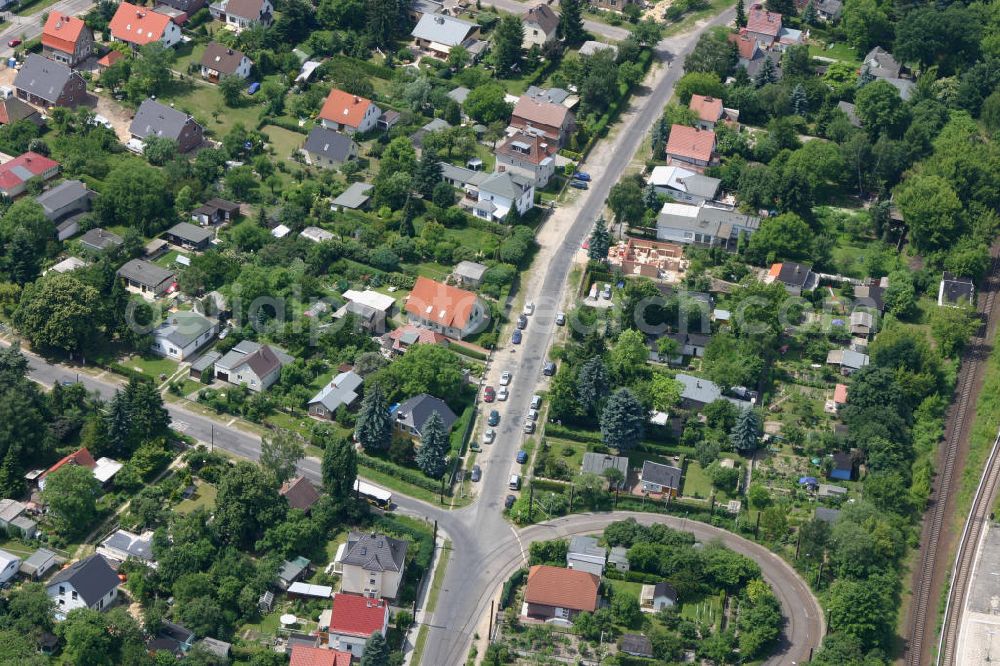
x: 515, y: 482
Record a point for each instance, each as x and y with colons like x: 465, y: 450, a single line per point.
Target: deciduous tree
x: 280, y: 454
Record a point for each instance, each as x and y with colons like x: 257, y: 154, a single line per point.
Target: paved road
x: 29, y: 27
x: 615, y: 33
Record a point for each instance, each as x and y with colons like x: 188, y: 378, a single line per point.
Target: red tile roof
x: 440, y: 303
x: 535, y: 112
x: 110, y: 58
x: 708, y: 109
x: 745, y: 46
x: 81, y: 457
x: 23, y: 168
x: 562, y: 588
x: 691, y: 143
x: 840, y: 394
x: 344, y: 108
x: 304, y: 655
x: 763, y: 22
x: 62, y: 32
x: 138, y: 25
x: 539, y: 147
x: 425, y: 336
x: 355, y: 615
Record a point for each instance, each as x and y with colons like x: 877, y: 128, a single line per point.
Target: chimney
x: 356, y: 100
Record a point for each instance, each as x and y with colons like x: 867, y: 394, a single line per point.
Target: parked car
x: 533, y: 414
x: 494, y: 418
x: 509, y: 501
x: 582, y: 175
x: 516, y: 336
x: 529, y: 308
x: 536, y: 401
x: 560, y: 319
x: 505, y: 378
x: 14, y: 43
x: 578, y: 184
x: 514, y: 483
x: 489, y: 436
x: 522, y: 322
x: 522, y: 457
x: 254, y: 87
x: 549, y: 369
x: 476, y: 473
x: 529, y: 426
x: 475, y: 448
x: 606, y: 292
x: 503, y: 393
x: 489, y: 394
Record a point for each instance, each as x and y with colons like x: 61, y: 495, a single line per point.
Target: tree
x: 666, y: 392
x: 953, y: 327
x: 374, y: 425
x: 866, y: 23
x: 932, y: 211
x: 783, y: 237
x: 600, y: 241
x: 571, y: 22
x: 741, y: 14
x: 766, y: 74
x: 71, y: 495
x: 627, y: 360
x: 280, y: 454
x: 507, y: 40
x: 59, y: 312
x: 247, y: 503
x: 730, y: 361
x: 423, y: 369
x: 427, y: 175
x: 88, y: 641
x: 623, y: 421
x: 432, y: 458
x: 947, y: 37
x: 746, y: 433
x: 699, y: 83
x: 486, y: 104
x: 593, y: 384
x: 863, y: 609
x: 136, y: 196
x: 385, y: 18
x: 800, y: 102
x: 625, y: 200
x: 231, y: 88
x: 398, y: 156
x: 599, y: 84
x: 340, y: 467
x: 458, y: 57
x: 881, y: 109
x: 376, y: 651
x: 713, y: 53
x: 809, y: 16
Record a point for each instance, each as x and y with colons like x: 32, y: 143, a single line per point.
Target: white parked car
x: 503, y: 393
x: 529, y: 427
x: 533, y: 414
x: 505, y: 378
x: 529, y: 308
x: 489, y: 435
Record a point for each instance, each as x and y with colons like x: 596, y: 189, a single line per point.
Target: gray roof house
x: 411, y: 416
x: 955, y: 291
x: 354, y: 197
x: 683, y: 184
x: 189, y: 236
x: 584, y: 554
x: 658, y: 478
x: 599, y: 463
x: 881, y: 64
x: 145, y: 278
x: 469, y: 273
x: 328, y: 149
x: 851, y: 112
x: 13, y: 520
x: 67, y: 199
x: 98, y: 240
x: 219, y: 648
x: 437, y: 34
x: 156, y: 119
x: 122, y: 544
x: 459, y: 94
x: 375, y: 552
x: 795, y: 276
x: 551, y: 95
x: 618, y: 558
x: 850, y: 361
x: 181, y: 334
x: 292, y: 570
x: 90, y: 583
x: 704, y: 225
x: 44, y: 82
x: 39, y: 563
x: 341, y: 391
x: 698, y: 392
x: 252, y: 365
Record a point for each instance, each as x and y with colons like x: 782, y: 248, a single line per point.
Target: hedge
x: 563, y: 432
x: 130, y: 373
x: 549, y: 485
x: 370, y: 68
x: 466, y: 351
x: 512, y: 583
x: 411, y: 476
x: 283, y: 123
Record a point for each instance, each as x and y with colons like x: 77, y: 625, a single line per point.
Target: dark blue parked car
x: 522, y: 457
x: 516, y: 336
x: 254, y: 87
x: 582, y: 175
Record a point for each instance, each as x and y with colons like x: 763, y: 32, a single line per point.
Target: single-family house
x: 500, y: 193
x: 752, y: 55
x: 316, y: 235
x: 355, y: 197
x: 370, y: 309
x: 661, y: 479
x: 451, y: 311
x: 796, y: 277
x: 215, y: 211
x: 411, y: 416
x: 763, y: 26
x: 871, y: 293
x: 398, y: 340
x: 557, y: 593
x: 98, y: 240
x: 243, y: 14
x: 469, y: 273
x: 160, y: 120
x: 437, y: 34
x: 553, y: 121
x: 342, y: 391
x: 348, y: 113
x: 654, y: 598
x: 182, y: 334
x: 849, y: 360
x: 691, y: 147
x: 956, y: 291
x: 138, y: 26
x: 14, y: 521
x: 709, y: 111
x: 353, y: 620
x: 189, y: 237
x: 528, y: 155
x: 10, y: 564
x: 862, y: 323
x: 64, y: 205
x: 881, y: 64
x: 845, y: 466
x: 309, y: 655
x: 373, y: 565
x: 39, y: 563
x: 219, y: 60
x: 292, y: 570
x: 13, y: 110
x: 328, y: 149
x: 48, y: 83
x: 584, y: 554
x: 541, y: 24
x: 300, y: 493
x: 90, y: 583
x: 600, y: 463
x: 145, y: 278
x: 636, y: 645
x: 66, y: 39
x: 15, y: 174
x: 253, y: 365
x: 683, y: 185
x: 704, y: 225
x: 81, y: 457
x: 122, y: 545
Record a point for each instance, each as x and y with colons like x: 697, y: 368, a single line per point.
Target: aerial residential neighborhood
x: 403, y: 332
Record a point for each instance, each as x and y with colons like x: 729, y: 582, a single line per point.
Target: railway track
x: 921, y: 625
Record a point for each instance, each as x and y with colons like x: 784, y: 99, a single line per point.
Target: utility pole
x: 435, y: 533
x: 571, y: 489
x: 213, y: 438
x: 756, y: 528
x: 531, y: 502
x: 798, y: 543
x: 489, y: 636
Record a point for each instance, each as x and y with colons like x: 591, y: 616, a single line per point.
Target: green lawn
x: 634, y: 589
x: 285, y: 142
x: 839, y: 51
x: 707, y: 610
x: 169, y: 260
x: 558, y: 446
x: 204, y: 102
x: 154, y: 366
x: 204, y: 497
x: 696, y: 482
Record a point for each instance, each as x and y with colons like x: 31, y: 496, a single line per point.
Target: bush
x: 411, y: 476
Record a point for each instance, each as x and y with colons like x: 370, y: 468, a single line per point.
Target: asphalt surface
x: 29, y: 27
x: 603, y: 29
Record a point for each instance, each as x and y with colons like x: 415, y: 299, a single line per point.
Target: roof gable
x: 708, y: 108
x: 344, y: 108
x: 43, y: 78
x: 446, y: 30
x: 443, y: 304
x: 92, y: 578
x: 375, y: 552
x: 356, y: 615
x: 532, y: 110
x: 138, y: 25
x: 156, y: 119
x: 221, y: 58
x: 542, y: 16
x: 763, y: 22
x: 562, y: 588
x: 691, y: 142
x: 62, y: 32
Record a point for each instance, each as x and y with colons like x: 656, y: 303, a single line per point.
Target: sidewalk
x: 425, y: 604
